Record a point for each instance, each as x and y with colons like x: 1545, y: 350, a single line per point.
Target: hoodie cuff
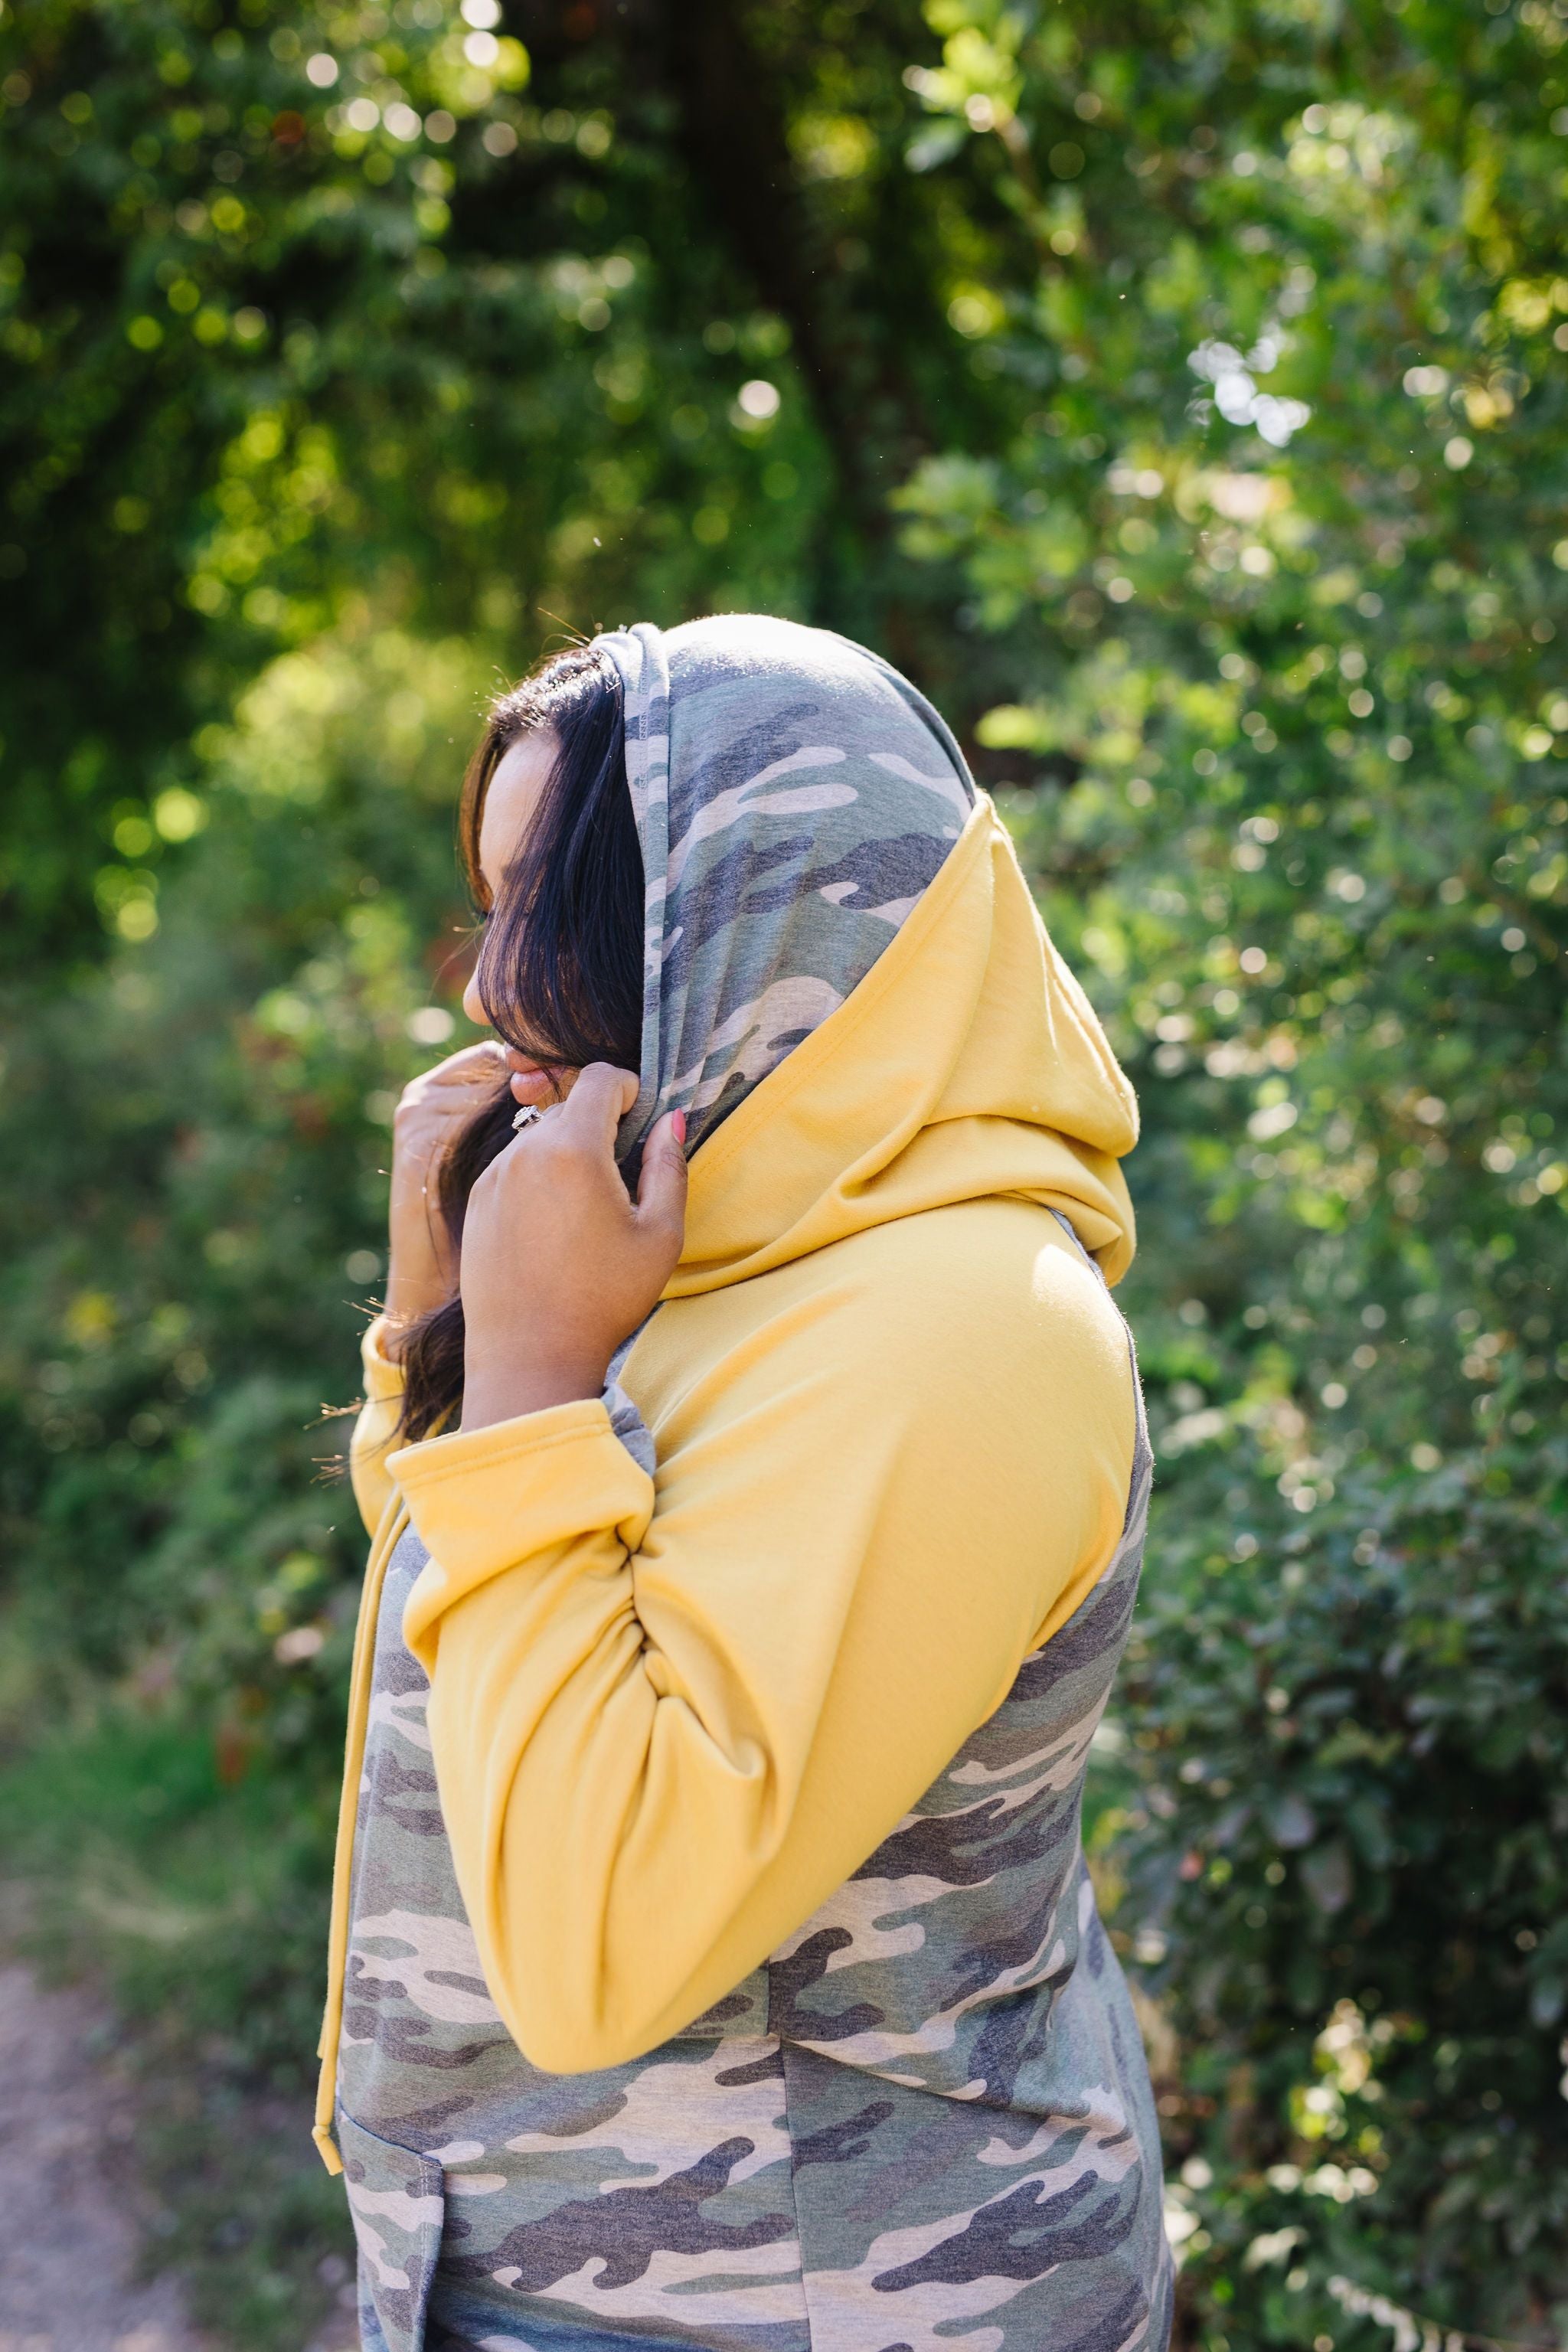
x: 382, y: 1376
x: 489, y: 1500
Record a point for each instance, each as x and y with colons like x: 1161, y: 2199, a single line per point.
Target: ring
x: 525, y: 1118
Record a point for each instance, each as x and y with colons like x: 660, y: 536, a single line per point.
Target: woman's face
x: 515, y: 791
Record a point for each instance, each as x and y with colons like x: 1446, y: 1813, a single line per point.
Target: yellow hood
x: 968, y: 1063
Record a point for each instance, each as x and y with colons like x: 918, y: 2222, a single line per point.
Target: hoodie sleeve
x: 377, y: 1428
x: 669, y: 1717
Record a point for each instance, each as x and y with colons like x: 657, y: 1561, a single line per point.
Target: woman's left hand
x: 559, y: 1265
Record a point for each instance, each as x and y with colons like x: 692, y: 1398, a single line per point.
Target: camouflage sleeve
x: 376, y: 1427
x: 667, y: 1721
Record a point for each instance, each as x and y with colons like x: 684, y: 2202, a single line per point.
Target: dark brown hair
x: 559, y: 969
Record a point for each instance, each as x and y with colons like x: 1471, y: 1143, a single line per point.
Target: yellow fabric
x: 967, y: 1063
x: 893, y: 1416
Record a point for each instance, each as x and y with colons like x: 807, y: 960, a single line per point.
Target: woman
x: 714, y: 1961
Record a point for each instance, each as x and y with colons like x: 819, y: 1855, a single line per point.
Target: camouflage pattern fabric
x: 793, y: 796
x: 925, y: 2121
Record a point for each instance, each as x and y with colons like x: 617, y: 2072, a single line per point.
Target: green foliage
x: 316, y: 303
x: 1183, y: 400
x: 1275, y: 549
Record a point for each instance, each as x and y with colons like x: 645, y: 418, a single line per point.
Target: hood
x: 967, y: 1061
x: 846, y: 985
x: 793, y: 798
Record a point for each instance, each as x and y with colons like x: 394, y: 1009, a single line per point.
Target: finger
x: 661, y: 1186
x: 470, y: 1066
x: 455, y: 1101
x: 597, y: 1104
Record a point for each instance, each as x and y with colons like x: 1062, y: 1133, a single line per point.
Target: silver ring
x: 525, y: 1118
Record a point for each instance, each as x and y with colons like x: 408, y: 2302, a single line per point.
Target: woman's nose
x: 473, y: 1004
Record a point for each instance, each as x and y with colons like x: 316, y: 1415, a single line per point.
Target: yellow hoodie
x: 894, y: 1420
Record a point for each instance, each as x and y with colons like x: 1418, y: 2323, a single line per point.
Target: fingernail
x: 677, y: 1125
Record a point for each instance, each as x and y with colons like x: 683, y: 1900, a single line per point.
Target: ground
x: 71, y: 2280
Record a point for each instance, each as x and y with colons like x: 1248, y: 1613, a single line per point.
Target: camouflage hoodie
x: 730, y: 1767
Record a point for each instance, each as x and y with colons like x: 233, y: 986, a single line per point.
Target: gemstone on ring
x: 525, y: 1118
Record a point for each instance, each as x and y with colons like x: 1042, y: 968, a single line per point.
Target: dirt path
x: 68, y: 2244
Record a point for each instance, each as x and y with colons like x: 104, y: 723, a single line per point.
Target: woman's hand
x: 559, y: 1265
x: 433, y: 1109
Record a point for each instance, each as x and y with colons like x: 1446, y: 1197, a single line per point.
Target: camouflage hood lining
x: 795, y: 796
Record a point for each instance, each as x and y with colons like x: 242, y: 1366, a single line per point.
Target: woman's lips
x: 531, y: 1083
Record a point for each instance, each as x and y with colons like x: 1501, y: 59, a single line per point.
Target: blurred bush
x: 1181, y: 400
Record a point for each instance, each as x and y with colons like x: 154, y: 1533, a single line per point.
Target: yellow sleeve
x: 377, y: 1428
x: 666, y: 1723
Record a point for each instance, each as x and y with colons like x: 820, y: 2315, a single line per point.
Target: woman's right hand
x: 421, y: 1268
